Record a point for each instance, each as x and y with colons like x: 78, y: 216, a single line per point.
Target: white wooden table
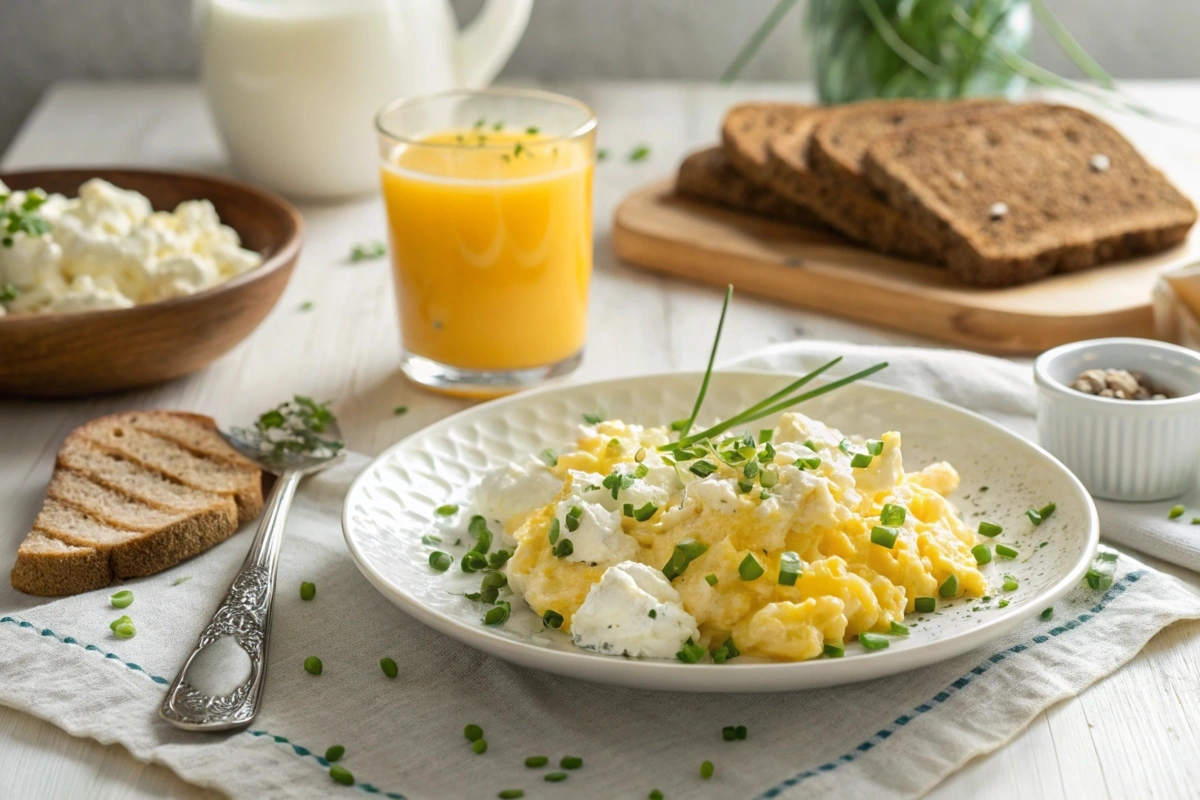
x: 1135, y: 734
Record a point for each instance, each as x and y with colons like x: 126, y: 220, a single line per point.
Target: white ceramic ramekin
x: 1122, y: 449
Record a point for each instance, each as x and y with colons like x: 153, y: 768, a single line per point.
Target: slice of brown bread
x: 840, y: 142
x: 52, y: 568
x: 110, y: 514
x: 747, y: 131
x: 133, y: 436
x: 709, y: 176
x: 859, y: 215
x: 1027, y: 192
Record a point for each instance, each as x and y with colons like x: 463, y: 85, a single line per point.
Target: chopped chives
x: 1010, y: 584
x: 312, y: 665
x: 510, y: 794
x: 1034, y: 516
x: 1176, y: 512
x: 740, y: 731
x: 645, y: 512
x: 810, y: 445
x: 308, y: 590
x: 653, y: 614
x: 341, y: 775
x: 592, y: 419
x: 884, y: 537
x: 982, y: 554
x: 728, y: 733
x: 892, y: 515
x: 990, y: 529
x: 1045, y: 511
x: 550, y: 457
x: 768, y: 478
x: 844, y: 446
x: 834, y: 649
x: 437, y: 559
x: 447, y: 510
x: 925, y: 605
x: 479, y: 746
x: 746, y: 487
x: 571, y: 762
x: 812, y: 462
x: 640, y: 456
x: 949, y: 587
x: 706, y: 770
x: 124, y: 598
x: 554, y: 530
x: 564, y: 548
x: 537, y: 761
x: 389, y: 667
x: 627, y: 510
x: 1005, y: 551
x: 655, y: 794
x: 897, y: 629
x: 789, y: 568
x: 335, y: 752
x: 750, y: 470
x: 750, y: 569
x: 555, y: 777
x: 711, y: 579
x: 1049, y: 612
x: 874, y: 447
x: 873, y: 641
x: 691, y: 652
x: 1003, y: 603
x: 473, y: 733
x: 684, y: 554
x: 861, y: 460
x: 552, y: 618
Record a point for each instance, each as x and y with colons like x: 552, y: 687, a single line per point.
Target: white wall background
x: 45, y: 40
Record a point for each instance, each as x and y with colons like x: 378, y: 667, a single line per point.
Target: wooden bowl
x: 69, y: 355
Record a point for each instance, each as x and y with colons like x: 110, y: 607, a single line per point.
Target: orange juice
x: 491, y: 243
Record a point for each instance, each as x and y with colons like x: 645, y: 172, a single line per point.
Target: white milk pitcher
x: 294, y: 85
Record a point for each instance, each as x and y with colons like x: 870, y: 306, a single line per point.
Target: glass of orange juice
x: 489, y: 206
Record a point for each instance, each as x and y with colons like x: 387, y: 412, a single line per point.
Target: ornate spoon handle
x: 220, y: 684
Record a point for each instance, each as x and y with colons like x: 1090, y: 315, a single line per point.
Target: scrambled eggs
x: 770, y: 546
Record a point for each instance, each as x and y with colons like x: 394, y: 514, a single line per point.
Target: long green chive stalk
x: 712, y: 356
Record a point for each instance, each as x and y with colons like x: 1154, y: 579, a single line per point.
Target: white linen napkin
x: 1003, y: 391
x: 889, y: 738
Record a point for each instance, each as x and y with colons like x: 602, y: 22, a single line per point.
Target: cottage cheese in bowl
x: 108, y: 248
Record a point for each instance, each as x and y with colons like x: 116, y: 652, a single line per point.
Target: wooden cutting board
x: 655, y: 230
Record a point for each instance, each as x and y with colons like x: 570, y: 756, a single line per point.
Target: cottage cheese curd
x: 107, y: 248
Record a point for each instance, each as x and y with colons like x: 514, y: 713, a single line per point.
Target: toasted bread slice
x: 747, y: 131
x: 124, y: 502
x: 205, y: 463
x: 1029, y: 191
x: 859, y: 215
x: 709, y: 176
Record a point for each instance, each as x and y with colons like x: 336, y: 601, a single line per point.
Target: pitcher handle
x: 487, y: 42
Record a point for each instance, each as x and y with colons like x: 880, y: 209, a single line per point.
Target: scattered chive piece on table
x: 1048, y: 613
x: 125, y: 631
x: 389, y: 667
x: 571, y: 762
x: 178, y: 581
x: 473, y: 732
x: 990, y: 529
x: 892, y: 515
x: 925, y: 605
x: 706, y: 770
x: 1005, y: 551
x: 335, y: 752
x: 982, y: 554
x: 1045, y: 511
x: 711, y: 579
x: 400, y: 411
x: 122, y: 599
x: 365, y: 251
x: 728, y: 733
x: 601, y: 155
x: 537, y: 761
x: 341, y: 775
x: 740, y: 731
x: 1176, y: 512
x: 510, y: 794
x: 884, y: 537
x: 479, y: 746
x: 898, y: 630
x: 440, y: 561
x: 307, y: 305
x: 1010, y: 584
x: 949, y: 587
x: 655, y: 794
x: 750, y: 569
x: 448, y: 510
x: 308, y: 590
x: 639, y: 153
x: 312, y: 665
x: 555, y: 777
x: 834, y: 650
x: 122, y: 620
x: 873, y: 641
x: 1034, y: 516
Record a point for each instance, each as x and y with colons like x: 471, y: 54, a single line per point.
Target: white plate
x: 390, y: 507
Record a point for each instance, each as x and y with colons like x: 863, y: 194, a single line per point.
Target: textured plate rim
x: 755, y: 677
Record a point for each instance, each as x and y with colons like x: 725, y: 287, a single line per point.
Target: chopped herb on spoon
x: 293, y: 428
x: 24, y: 218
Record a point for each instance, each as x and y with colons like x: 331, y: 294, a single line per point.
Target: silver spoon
x: 220, y: 685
